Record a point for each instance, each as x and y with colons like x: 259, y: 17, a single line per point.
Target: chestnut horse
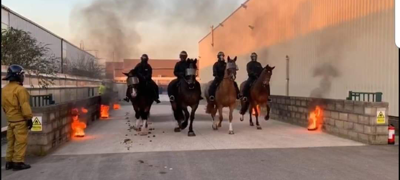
x: 225, y: 95
x: 259, y: 94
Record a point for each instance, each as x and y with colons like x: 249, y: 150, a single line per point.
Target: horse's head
x: 191, y: 73
x: 266, y: 74
x: 231, y: 68
x: 132, y: 82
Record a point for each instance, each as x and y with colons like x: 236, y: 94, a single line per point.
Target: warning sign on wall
x: 380, y: 117
x: 37, y: 123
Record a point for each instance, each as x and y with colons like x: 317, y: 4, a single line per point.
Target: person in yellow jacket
x: 15, y: 103
x: 102, y: 89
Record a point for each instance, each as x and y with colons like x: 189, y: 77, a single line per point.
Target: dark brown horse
x: 188, y: 96
x: 225, y: 96
x: 141, y: 99
x: 259, y: 94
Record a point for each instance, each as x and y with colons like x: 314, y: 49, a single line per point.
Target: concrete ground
x: 111, y: 150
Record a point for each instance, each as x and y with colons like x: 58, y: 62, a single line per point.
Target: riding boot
x: 213, y: 89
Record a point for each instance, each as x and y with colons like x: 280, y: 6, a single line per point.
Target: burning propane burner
x: 315, y: 119
x: 258, y: 110
x: 84, y: 110
x: 104, y: 111
x: 78, y: 128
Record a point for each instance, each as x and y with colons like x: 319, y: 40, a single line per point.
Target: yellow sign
x: 380, y: 117
x: 37, y: 123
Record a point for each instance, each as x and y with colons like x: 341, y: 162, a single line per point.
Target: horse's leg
x: 137, y: 116
x: 144, y: 115
x: 185, y: 123
x: 250, y: 114
x: 215, y: 124
x: 177, y: 116
x: 221, y: 117
x: 230, y: 119
x: 256, y: 114
x: 268, y: 109
x: 243, y: 109
x: 194, y: 108
x: 213, y: 113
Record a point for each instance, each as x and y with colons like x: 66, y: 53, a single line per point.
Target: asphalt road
x: 327, y: 163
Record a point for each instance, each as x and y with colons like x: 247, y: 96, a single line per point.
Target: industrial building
x: 320, y: 48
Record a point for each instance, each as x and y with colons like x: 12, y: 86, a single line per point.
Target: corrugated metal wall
x: 335, y: 46
x: 59, y: 47
x: 73, y: 54
x: 53, y: 42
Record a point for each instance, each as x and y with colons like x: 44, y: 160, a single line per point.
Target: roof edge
x: 225, y: 19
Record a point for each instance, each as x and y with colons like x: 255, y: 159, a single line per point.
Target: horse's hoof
x: 214, y: 127
x: 191, y: 134
x: 251, y: 124
x: 143, y: 133
x: 259, y: 127
x: 231, y: 132
x: 241, y: 118
x: 266, y: 118
x: 177, y: 129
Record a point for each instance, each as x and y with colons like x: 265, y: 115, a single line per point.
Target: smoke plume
x: 121, y: 29
x: 327, y: 72
x: 329, y: 52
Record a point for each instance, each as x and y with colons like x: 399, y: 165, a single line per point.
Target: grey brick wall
x: 349, y: 119
x: 56, y: 122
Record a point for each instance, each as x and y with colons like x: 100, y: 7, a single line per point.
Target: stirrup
x: 244, y: 99
x: 172, y: 98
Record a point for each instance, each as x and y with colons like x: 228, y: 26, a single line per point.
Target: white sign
x: 397, y: 22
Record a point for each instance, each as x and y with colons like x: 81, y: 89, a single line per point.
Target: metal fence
x: 365, y: 96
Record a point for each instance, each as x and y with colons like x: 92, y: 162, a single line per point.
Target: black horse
x: 141, y: 100
x: 189, y: 95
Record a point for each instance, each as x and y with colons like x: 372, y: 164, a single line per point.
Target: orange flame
x: 84, y: 110
x: 315, y: 119
x: 77, y: 126
x: 104, y: 111
x: 117, y: 106
x: 258, y: 110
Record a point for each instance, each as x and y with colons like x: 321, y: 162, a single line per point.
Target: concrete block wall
x: 56, y: 124
x: 349, y: 119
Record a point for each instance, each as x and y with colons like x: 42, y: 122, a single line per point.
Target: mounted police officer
x: 144, y: 72
x: 15, y: 103
x: 218, y: 73
x: 254, y: 69
x: 180, y: 72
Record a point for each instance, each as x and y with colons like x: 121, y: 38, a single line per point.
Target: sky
x: 160, y: 28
